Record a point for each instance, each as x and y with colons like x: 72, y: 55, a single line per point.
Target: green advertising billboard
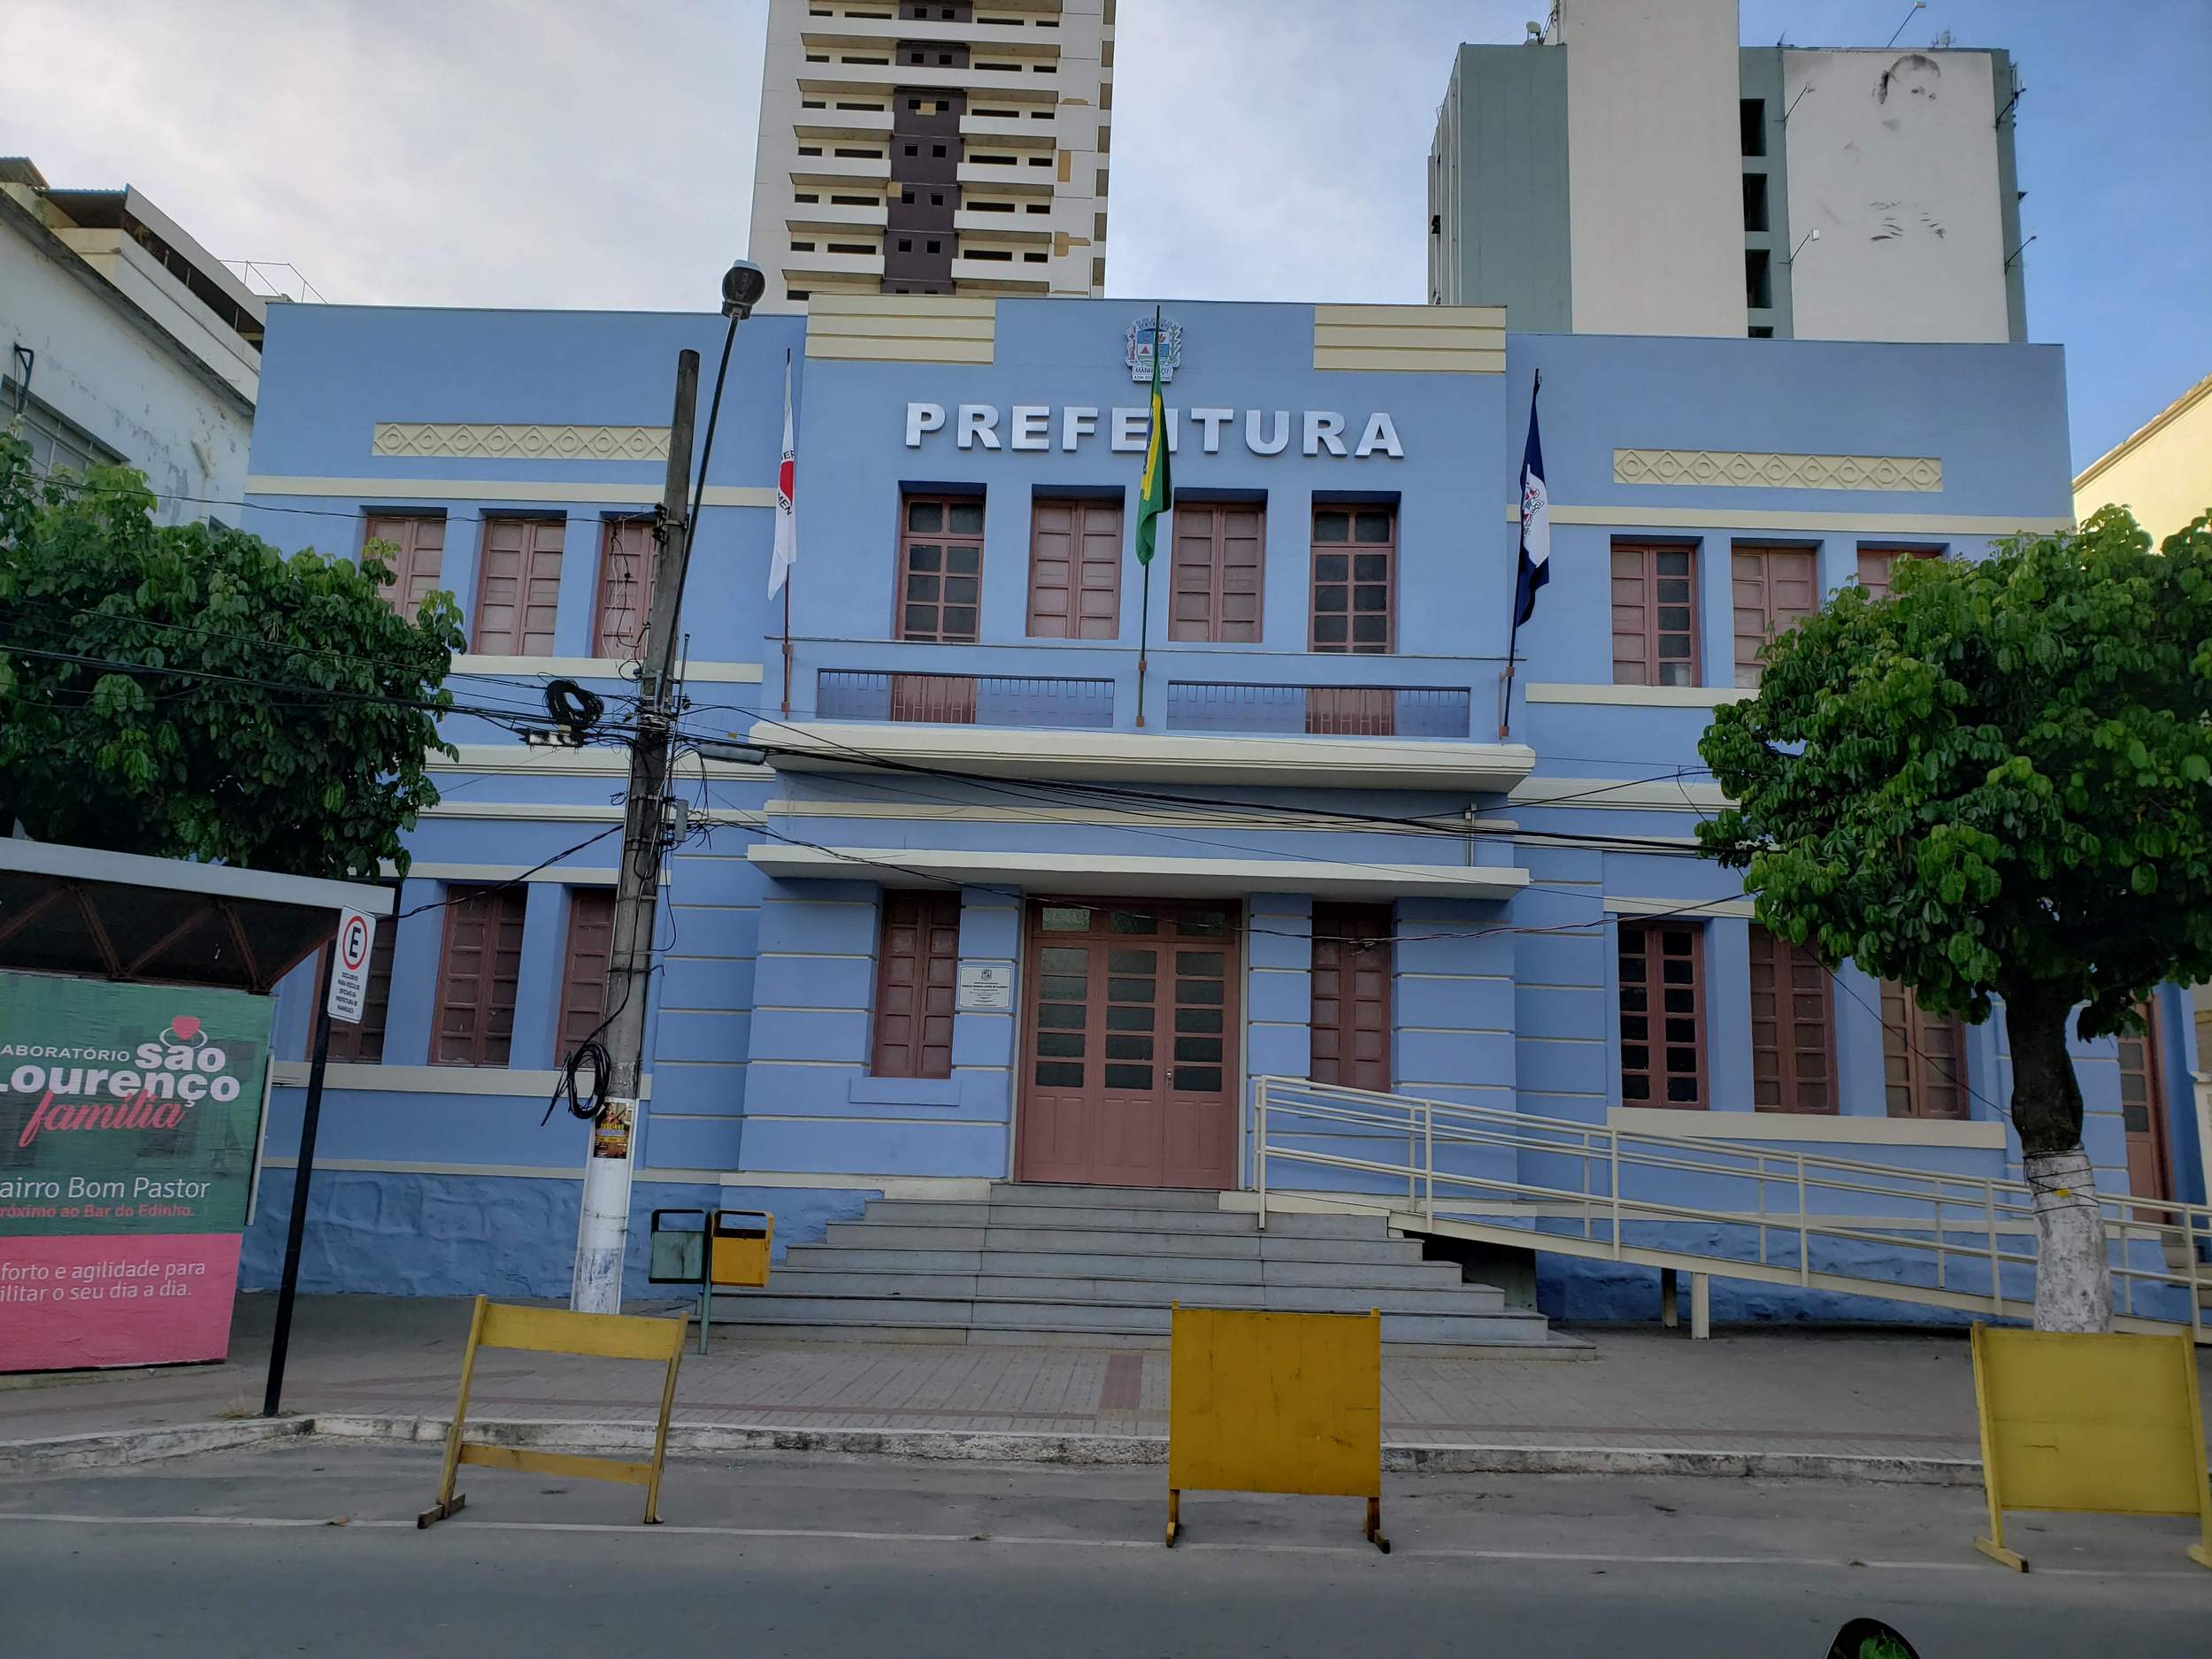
x: 129, y: 1120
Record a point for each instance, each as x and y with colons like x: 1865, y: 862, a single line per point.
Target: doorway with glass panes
x: 1129, y: 1043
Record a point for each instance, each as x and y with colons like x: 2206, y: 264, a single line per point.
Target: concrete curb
x: 971, y: 1445
x: 121, y: 1447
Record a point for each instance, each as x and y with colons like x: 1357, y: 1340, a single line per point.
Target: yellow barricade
x: 1275, y: 1402
x: 556, y: 1331
x: 2093, y: 1423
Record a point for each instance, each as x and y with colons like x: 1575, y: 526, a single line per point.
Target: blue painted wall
x: 760, y: 1023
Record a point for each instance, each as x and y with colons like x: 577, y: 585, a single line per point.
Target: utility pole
x: 603, y: 1226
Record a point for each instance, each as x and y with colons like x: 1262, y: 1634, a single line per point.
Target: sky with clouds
x: 569, y: 153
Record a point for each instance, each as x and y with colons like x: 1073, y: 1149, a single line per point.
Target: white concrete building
x: 1636, y: 171
x: 126, y: 340
x: 933, y: 147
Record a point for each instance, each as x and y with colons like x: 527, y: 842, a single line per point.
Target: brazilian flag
x: 1156, y: 494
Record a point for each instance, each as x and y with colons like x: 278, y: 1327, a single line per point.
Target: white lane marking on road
x: 1360, y: 1551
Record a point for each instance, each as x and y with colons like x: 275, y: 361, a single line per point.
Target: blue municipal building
x: 998, y: 906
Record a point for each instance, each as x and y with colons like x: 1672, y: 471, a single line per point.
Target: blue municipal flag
x: 1535, y: 568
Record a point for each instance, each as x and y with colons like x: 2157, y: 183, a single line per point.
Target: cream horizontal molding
x: 1638, y: 696
x: 903, y: 328
x: 992, y: 812
x: 1767, y: 469
x: 597, y: 668
x: 503, y: 489
x: 1162, y: 878
x: 513, y: 1082
x: 1870, y: 526
x: 1636, y: 794
x: 1410, y: 339
x: 524, y: 760
x: 1806, y: 1127
x: 1688, y: 909
x: 516, y: 440
x: 572, y: 812
x: 1120, y: 756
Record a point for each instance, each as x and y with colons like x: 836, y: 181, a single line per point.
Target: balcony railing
x: 849, y: 694
x: 1416, y: 712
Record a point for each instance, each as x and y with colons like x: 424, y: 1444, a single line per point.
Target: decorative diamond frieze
x: 1754, y: 468
x: 450, y: 440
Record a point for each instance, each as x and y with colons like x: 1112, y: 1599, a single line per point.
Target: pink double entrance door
x: 1129, y: 1048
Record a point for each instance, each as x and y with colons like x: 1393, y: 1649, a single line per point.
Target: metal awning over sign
x: 130, y: 917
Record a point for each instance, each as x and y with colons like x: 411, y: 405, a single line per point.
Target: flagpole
x: 788, y: 489
x: 1156, y: 446
x: 1144, y: 625
x: 1513, y: 632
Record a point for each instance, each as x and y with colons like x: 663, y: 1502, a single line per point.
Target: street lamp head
x: 742, y: 285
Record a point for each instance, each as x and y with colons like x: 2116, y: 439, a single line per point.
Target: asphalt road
x: 312, y: 1548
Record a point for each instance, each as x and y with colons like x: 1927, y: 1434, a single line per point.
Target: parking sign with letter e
x: 349, y: 974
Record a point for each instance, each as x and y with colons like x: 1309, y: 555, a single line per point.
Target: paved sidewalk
x: 1855, y: 1393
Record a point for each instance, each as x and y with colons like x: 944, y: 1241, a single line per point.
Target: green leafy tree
x: 189, y: 691
x: 1996, y: 784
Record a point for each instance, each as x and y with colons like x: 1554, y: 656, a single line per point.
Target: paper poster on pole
x: 129, y: 1115
x: 350, y: 972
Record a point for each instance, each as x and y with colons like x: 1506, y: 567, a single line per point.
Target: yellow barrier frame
x: 1275, y: 1402
x: 558, y: 1330
x: 2089, y: 1424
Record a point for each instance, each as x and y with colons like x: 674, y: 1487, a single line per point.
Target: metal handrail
x: 1953, y: 1222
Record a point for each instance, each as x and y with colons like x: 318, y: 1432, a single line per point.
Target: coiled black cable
x: 588, y: 1107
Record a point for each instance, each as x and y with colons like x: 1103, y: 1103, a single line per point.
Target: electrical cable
x: 1076, y: 789
x: 589, y: 1052
x: 283, y: 648
x: 500, y: 887
x: 509, y: 718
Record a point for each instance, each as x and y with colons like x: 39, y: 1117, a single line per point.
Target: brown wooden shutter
x: 1351, y: 711
x: 626, y: 587
x: 589, y: 955
x: 1655, y: 614
x: 2143, y: 1114
x: 1220, y: 559
x: 1923, y: 1057
x: 941, y: 568
x: 363, y: 1044
x: 1793, y: 1028
x: 917, y: 965
x: 419, y: 540
x: 1662, y: 1014
x: 517, y: 588
x: 1351, y: 996
x: 933, y: 699
x: 477, y: 976
x: 1773, y: 588
x: 1875, y: 564
x: 1355, y: 579
x: 1075, y: 570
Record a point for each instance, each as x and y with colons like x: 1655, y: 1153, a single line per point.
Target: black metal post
x: 301, y: 1175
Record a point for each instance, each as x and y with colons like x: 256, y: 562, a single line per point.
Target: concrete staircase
x: 1098, y: 1266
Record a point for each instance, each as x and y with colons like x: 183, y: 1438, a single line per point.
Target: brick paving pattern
x: 1852, y: 1392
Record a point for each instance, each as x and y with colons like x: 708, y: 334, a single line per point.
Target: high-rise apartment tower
x: 933, y: 147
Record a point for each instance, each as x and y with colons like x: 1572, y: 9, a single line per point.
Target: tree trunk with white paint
x: 2073, y: 1280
